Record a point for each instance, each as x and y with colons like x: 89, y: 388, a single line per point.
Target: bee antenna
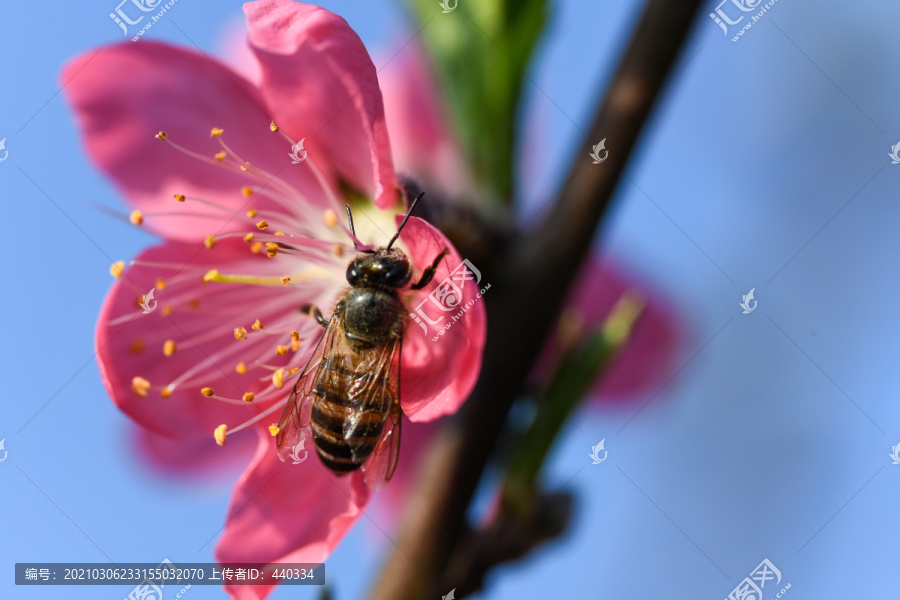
x: 353, y: 232
x: 412, y: 207
x: 350, y: 219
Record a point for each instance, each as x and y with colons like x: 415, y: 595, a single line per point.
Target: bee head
x: 385, y: 267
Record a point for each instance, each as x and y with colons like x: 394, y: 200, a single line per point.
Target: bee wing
x: 380, y: 467
x: 379, y: 393
x: 294, y: 423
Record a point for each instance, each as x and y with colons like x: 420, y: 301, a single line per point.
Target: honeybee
x: 348, y: 395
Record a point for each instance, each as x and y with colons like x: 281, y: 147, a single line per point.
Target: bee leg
x: 428, y: 275
x: 315, y: 313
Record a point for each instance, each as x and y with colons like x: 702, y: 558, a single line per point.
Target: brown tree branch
x: 530, y: 280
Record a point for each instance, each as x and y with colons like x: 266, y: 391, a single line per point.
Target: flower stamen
x: 222, y: 430
x: 313, y: 273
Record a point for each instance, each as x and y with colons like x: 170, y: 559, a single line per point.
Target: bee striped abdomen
x: 344, y: 445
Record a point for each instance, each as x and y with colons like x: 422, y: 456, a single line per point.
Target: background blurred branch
x: 530, y: 280
x: 527, y: 515
x: 582, y: 362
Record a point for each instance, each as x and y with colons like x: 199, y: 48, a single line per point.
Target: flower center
x: 307, y: 260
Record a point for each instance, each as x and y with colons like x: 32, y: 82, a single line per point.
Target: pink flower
x: 270, y: 215
x: 647, y: 360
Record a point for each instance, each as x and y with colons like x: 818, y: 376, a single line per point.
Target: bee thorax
x: 372, y: 317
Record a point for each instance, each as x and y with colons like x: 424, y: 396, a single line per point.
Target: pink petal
x: 188, y: 459
x: 123, y: 95
x: 322, y: 86
x: 648, y: 358
x: 287, y: 513
x: 437, y: 376
x: 421, y: 138
x: 220, y: 307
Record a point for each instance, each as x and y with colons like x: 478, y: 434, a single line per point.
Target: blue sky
x: 765, y: 166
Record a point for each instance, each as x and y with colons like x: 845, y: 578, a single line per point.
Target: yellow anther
x: 220, y: 433
x: 295, y: 345
x: 166, y: 392
x: 162, y: 136
x: 167, y: 310
x: 248, y: 238
x: 247, y: 191
x: 257, y: 325
x: 281, y: 350
x: 278, y: 378
x: 169, y: 347
x: 251, y: 212
x: 249, y: 396
x: 271, y: 250
x: 220, y: 156
x: 241, y: 368
x: 140, y: 386
x: 295, y: 336
x: 211, y: 275
x: 273, y: 127
x: 279, y: 233
x: 136, y: 217
x: 117, y: 269
x: 293, y: 370
x: 244, y: 166
x: 160, y: 284
x: 240, y: 333
x: 330, y: 218
x: 216, y: 132
x: 210, y: 241
x: 338, y: 250
x: 285, y: 280
x: 262, y: 225
x: 179, y: 197
x: 274, y: 430
x: 256, y: 247
x: 208, y: 392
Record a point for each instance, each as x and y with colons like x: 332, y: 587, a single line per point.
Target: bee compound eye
x: 353, y: 273
x: 399, y: 274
